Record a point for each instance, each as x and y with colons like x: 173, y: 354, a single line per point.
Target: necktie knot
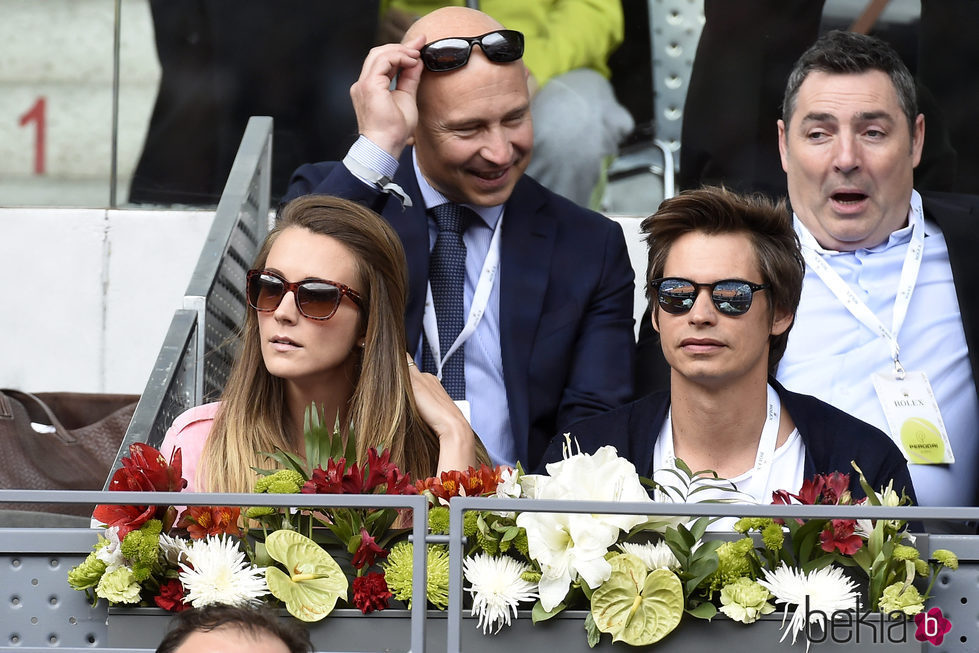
x: 451, y: 217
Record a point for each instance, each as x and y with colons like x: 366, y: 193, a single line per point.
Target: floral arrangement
x: 637, y: 576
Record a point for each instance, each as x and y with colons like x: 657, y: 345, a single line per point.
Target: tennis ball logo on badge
x: 922, y: 441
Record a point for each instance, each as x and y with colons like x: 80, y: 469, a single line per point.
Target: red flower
x: 201, y: 521
x: 811, y: 489
x: 143, y: 470
x: 367, y: 551
x: 326, y: 481
x: 379, y: 466
x: 471, y: 483
x: 371, y: 592
x: 837, y: 490
x: 171, y: 596
x: 839, y: 535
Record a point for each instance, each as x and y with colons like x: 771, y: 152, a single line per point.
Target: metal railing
x: 199, y: 348
x: 42, y: 611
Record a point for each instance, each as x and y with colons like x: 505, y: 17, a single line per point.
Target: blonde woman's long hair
x: 252, y: 417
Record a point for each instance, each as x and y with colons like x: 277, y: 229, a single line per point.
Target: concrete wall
x: 88, y: 294
x: 60, y: 52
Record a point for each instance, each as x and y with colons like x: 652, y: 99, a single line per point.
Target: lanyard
x: 491, y: 265
x: 765, y: 455
x: 857, y: 308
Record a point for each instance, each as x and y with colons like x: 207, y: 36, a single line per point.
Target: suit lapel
x: 527, y: 244
x: 959, y: 226
x: 412, y: 227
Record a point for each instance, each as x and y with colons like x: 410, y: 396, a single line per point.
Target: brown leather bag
x: 73, y: 448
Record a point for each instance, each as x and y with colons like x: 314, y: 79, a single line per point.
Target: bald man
x: 543, y: 336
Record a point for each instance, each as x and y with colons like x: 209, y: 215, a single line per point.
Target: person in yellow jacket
x: 577, y: 119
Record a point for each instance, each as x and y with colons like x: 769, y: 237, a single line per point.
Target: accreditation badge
x: 912, y: 414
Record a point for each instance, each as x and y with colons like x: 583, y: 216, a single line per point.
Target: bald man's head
x: 474, y: 135
x: 452, y: 21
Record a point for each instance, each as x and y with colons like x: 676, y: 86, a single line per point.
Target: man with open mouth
x: 887, y: 329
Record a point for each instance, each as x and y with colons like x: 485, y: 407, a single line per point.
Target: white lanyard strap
x: 491, y: 266
x: 764, y: 456
x: 846, y: 296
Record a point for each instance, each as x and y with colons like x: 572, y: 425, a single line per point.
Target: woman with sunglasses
x: 327, y: 327
x: 725, y: 277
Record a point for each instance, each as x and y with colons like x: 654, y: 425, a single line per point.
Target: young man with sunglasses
x: 724, y: 279
x: 542, y: 329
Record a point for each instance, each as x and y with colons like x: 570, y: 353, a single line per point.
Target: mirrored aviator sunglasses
x: 499, y: 46
x: 317, y: 299
x: 730, y: 296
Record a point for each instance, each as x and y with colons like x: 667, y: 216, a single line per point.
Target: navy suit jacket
x: 565, y: 298
x: 832, y: 439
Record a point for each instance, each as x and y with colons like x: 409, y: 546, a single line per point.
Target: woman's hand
x: 457, y: 442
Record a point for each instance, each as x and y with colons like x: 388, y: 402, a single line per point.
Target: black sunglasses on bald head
x: 499, y: 46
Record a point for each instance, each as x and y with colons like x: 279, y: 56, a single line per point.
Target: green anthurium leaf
x: 314, y: 580
x: 637, y: 608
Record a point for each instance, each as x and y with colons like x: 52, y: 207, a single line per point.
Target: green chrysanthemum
x: 904, y: 552
x: 773, y: 536
x: 746, y: 524
x: 259, y: 511
x: 921, y: 568
x: 469, y: 526
x: 946, y: 558
x: 118, y: 586
x: 733, y: 562
x: 142, y: 548
x: 398, y: 570
x: 438, y: 520
x: 284, y: 481
x: 894, y: 600
x: 87, y: 574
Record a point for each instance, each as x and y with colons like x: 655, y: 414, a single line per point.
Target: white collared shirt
x: 831, y: 355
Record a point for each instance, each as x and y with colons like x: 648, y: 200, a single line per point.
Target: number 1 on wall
x: 36, y: 115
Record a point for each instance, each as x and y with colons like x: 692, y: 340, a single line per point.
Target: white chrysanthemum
x: 827, y: 589
x: 217, y: 572
x: 174, y: 549
x: 497, y: 589
x: 111, y: 553
x: 654, y: 556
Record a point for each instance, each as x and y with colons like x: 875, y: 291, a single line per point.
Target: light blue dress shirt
x: 485, y: 390
x: 832, y: 355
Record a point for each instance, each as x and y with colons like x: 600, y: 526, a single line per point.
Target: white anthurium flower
x: 828, y: 591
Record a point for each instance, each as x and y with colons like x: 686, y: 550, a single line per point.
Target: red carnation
x: 371, y: 592
x: 171, y: 596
